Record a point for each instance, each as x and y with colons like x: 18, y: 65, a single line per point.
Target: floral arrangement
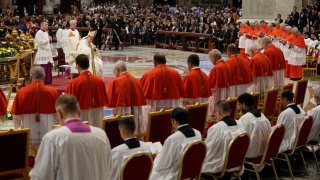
x: 8, y: 52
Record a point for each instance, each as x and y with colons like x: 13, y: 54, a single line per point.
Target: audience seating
x: 256, y: 98
x: 197, y: 116
x: 191, y: 160
x: 301, y: 91
x: 299, y: 145
x: 110, y: 125
x: 270, y: 152
x: 137, y: 166
x: 14, y: 154
x: 159, y: 126
x: 233, y: 104
x: 235, y: 156
x: 270, y: 104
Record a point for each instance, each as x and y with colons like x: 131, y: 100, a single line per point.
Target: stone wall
x: 268, y: 9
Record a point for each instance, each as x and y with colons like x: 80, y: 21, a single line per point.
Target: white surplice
x: 217, y: 141
x: 258, y: 129
x: 72, y: 41
x: 121, y: 153
x: 292, y: 122
x: 315, y: 130
x: 61, y: 36
x: 278, y: 78
x: 66, y: 155
x: 83, y: 48
x: 262, y: 84
x: 94, y: 116
x: 139, y: 118
x: 37, y: 129
x: 166, y: 164
x: 237, y: 90
x: 44, y: 53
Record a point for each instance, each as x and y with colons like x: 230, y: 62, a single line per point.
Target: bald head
x: 119, y: 68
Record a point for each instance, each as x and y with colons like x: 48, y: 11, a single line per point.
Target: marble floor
x: 139, y: 60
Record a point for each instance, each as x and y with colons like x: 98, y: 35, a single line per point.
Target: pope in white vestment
x: 166, y: 164
x: 86, y: 47
x: 75, y: 151
x: 291, y: 118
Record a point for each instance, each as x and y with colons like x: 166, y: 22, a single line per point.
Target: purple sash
x: 77, y: 126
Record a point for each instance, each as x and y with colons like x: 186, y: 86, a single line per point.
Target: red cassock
x: 219, y: 75
x: 276, y: 57
x: 277, y: 31
x: 289, y: 38
x: 34, y: 98
x: 162, y: 82
x: 260, y: 65
x: 125, y: 90
x: 89, y: 89
x: 196, y: 84
x: 239, y: 70
x: 298, y: 41
x: 3, y: 104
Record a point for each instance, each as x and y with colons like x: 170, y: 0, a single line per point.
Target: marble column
x: 268, y: 9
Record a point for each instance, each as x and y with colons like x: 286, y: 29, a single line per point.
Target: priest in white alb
x: 88, y: 48
x: 315, y: 114
x: 44, y: 54
x: 73, y: 151
x: 291, y: 118
x: 72, y: 39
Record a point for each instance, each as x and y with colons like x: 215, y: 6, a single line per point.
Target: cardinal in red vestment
x: 3, y: 105
x: 261, y: 70
x: 162, y: 86
x: 196, y: 83
x: 90, y: 90
x: 34, y: 106
x: 218, y: 80
x: 276, y: 59
x: 297, y: 56
x: 239, y: 72
x: 126, y: 97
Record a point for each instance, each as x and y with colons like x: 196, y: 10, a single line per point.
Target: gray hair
x: 254, y: 47
x: 317, y: 93
x: 73, y: 21
x: 37, y: 73
x: 215, y: 53
x: 121, y: 65
x: 224, y: 106
x: 265, y: 40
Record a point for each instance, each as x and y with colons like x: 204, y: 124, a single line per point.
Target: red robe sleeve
x: 3, y: 104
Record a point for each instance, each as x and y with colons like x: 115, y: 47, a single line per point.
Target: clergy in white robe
x: 256, y: 125
x: 86, y: 47
x: 218, y: 139
x: 73, y: 151
x: 33, y: 107
x: 130, y: 146
x: 166, y: 164
x: 291, y: 118
x: 44, y: 55
x: 315, y: 114
x: 72, y: 39
x: 61, y: 36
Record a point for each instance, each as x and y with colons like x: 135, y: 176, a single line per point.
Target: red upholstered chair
x: 197, y: 116
x: 137, y: 166
x: 270, y: 104
x: 256, y: 97
x: 233, y: 105
x: 301, y: 91
x: 159, y: 126
x: 14, y: 152
x: 191, y: 160
x: 270, y: 152
x: 300, y: 143
x: 236, y: 153
x: 110, y: 125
